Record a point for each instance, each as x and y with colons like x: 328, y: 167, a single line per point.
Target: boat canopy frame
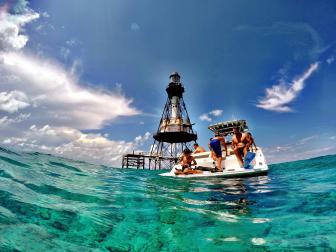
x: 226, y: 128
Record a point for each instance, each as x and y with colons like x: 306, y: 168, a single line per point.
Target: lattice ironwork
x: 174, y: 133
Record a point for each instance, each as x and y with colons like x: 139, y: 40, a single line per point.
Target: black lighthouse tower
x: 175, y: 129
x: 173, y: 135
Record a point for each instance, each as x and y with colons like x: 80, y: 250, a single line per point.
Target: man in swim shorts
x: 216, y: 149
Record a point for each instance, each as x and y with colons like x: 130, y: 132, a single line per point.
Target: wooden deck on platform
x: 147, y: 161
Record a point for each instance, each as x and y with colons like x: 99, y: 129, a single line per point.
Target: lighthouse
x: 173, y: 135
x: 175, y: 131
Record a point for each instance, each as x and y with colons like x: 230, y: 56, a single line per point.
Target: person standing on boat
x: 216, y: 149
x: 198, y: 149
x: 239, y: 145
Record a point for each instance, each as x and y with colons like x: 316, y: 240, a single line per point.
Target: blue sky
x: 228, y: 54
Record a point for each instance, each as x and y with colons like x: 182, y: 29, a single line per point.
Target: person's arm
x: 193, y: 161
x: 249, y: 142
x: 233, y: 143
x: 181, y: 160
x: 225, y: 147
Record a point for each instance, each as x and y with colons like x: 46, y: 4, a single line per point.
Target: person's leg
x: 239, y: 157
x: 219, y: 163
x: 245, y: 150
x: 213, y: 155
x: 193, y: 171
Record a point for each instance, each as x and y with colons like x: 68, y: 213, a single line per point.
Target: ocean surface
x: 49, y: 203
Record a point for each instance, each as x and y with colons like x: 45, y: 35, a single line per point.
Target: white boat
x: 230, y: 164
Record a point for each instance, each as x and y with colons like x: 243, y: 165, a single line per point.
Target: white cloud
x: 44, y: 27
x: 304, y: 148
x: 205, y: 117
x: 209, y: 116
x: 71, y: 42
x: 330, y: 60
x: 308, y: 139
x: 319, y: 151
x: 279, y: 96
x: 135, y: 27
x: 140, y: 140
x: 72, y: 143
x: 13, y: 101
x: 56, y: 94
x: 45, y: 14
x: 54, y: 107
x: 216, y: 112
x: 6, y: 121
x: 10, y: 25
x: 96, y: 148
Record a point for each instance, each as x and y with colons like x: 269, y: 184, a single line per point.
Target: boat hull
x: 224, y: 174
x: 230, y: 165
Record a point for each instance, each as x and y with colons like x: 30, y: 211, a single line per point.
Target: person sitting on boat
x: 186, y: 161
x: 239, y: 145
x: 250, y: 144
x: 198, y: 149
x: 216, y: 149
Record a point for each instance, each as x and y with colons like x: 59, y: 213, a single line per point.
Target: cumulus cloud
x: 5, y: 121
x: 13, y: 101
x: 70, y: 142
x: 210, y: 115
x: 56, y: 94
x: 205, y: 117
x: 279, y: 96
x: 216, y: 112
x: 10, y: 26
x: 44, y: 106
x: 96, y: 148
x: 139, y: 140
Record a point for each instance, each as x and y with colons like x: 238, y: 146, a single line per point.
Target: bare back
x: 199, y: 149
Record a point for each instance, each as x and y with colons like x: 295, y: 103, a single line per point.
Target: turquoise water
x: 54, y: 204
